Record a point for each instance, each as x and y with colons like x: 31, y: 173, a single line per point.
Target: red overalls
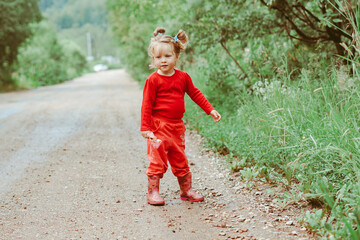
x: 172, y: 148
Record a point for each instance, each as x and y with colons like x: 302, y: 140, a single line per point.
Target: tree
x: 227, y: 21
x: 313, y: 22
x: 15, y: 16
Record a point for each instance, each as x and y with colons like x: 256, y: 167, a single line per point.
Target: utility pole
x: 89, y: 47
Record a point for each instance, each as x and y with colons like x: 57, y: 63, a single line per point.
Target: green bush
x: 75, y: 63
x: 42, y: 60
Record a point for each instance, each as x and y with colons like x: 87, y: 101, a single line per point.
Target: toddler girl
x: 161, y: 115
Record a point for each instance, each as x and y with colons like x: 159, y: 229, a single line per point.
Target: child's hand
x: 215, y: 115
x: 148, y: 134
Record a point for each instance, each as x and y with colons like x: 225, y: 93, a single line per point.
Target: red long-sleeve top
x: 163, y: 96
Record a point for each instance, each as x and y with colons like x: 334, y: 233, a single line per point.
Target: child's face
x: 165, y: 58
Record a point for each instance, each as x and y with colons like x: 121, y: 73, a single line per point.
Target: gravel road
x: 72, y: 166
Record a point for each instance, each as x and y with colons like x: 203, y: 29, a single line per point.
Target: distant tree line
x: 75, y: 14
x: 45, y: 4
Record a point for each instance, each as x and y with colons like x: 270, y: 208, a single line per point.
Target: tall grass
x: 303, y: 131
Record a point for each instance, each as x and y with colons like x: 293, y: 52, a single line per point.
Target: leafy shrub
x: 42, y: 60
x: 75, y: 62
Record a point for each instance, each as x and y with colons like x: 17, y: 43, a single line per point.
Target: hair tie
x: 159, y: 34
x: 176, y: 38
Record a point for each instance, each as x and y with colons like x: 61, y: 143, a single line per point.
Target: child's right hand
x: 148, y: 134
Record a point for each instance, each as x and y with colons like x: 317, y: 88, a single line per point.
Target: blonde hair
x: 178, y: 42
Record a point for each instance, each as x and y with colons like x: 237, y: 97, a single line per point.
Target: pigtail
x: 159, y: 30
x: 181, y: 39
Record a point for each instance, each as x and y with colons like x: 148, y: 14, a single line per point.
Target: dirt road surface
x: 72, y: 166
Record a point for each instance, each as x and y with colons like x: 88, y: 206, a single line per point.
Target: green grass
x: 302, y: 134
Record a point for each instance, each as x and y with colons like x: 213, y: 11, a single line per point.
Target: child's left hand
x: 215, y: 115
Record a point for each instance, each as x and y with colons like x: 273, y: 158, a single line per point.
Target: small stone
x: 289, y: 223
x: 267, y: 209
x: 294, y: 233
x: 222, y: 234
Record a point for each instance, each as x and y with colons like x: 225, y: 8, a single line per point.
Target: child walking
x: 161, y: 116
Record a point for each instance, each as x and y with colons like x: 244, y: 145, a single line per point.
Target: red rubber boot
x: 153, y: 197
x: 187, y: 193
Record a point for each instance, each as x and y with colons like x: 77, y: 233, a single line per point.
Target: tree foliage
x: 43, y: 60
x: 230, y: 24
x: 15, y: 17
x: 305, y: 27
x: 311, y: 23
x: 75, y: 14
x: 314, y: 22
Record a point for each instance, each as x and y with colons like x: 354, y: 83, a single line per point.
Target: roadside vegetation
x: 32, y: 53
x: 44, y: 60
x: 285, y: 76
x: 14, y: 30
x: 46, y: 42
